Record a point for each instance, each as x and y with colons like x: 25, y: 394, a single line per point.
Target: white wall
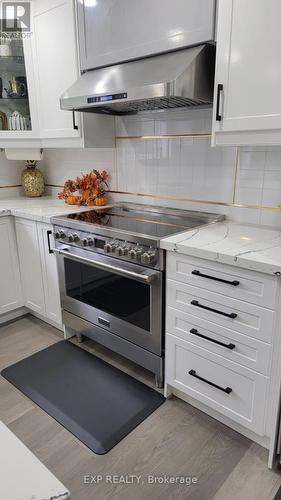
x: 178, y: 172
x: 10, y: 175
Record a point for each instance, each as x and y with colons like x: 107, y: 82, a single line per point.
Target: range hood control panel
x: 106, y: 98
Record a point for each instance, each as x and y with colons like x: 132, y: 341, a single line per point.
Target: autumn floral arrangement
x: 89, y: 189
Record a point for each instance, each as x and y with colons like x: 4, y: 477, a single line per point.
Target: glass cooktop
x: 151, y: 222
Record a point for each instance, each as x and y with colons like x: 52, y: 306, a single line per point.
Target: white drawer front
x: 251, y: 320
x: 245, y: 403
x: 242, y: 349
x: 253, y: 287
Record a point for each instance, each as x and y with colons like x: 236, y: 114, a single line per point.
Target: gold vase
x: 32, y: 179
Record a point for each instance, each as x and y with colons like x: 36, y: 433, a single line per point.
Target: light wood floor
x: 176, y: 440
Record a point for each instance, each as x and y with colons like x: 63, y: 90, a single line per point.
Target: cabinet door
x: 111, y: 31
x: 56, y: 65
x: 10, y: 291
x: 30, y: 265
x: 50, y: 273
x: 18, y: 105
x: 248, y: 69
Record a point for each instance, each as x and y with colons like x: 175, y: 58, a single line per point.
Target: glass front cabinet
x: 18, y: 117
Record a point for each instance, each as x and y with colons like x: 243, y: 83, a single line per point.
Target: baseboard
x: 46, y: 320
x: 261, y: 440
x: 23, y: 311
x: 10, y: 316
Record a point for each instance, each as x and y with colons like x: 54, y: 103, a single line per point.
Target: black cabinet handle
x: 193, y: 373
x: 197, y: 304
x: 198, y: 273
x: 219, y: 90
x: 73, y: 120
x: 228, y: 346
x: 48, y: 239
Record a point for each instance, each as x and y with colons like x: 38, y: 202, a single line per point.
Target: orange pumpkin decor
x: 91, y: 188
x: 71, y: 200
x: 100, y: 201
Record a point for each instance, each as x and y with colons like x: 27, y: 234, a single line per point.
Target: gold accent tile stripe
x: 237, y: 165
x: 163, y: 136
x: 190, y: 200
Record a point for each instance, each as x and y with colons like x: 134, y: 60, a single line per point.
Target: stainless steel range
x: 112, y: 273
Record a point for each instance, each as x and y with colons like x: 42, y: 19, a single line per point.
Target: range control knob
x: 145, y: 258
x: 151, y: 257
x: 138, y: 253
x: 135, y: 252
x: 114, y: 246
x: 125, y: 249
x: 57, y: 235
x: 132, y: 253
x: 62, y: 234
x: 107, y: 248
x: 87, y: 242
x: 122, y: 250
x: 73, y: 238
x: 119, y: 251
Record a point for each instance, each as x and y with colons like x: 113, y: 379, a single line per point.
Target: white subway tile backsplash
x: 10, y: 172
x: 175, y: 168
x: 248, y: 196
x: 272, y: 179
x: 250, y: 179
x: 196, y: 121
x: 134, y: 126
x: 273, y: 160
x: 59, y: 164
x: 271, y: 197
x: 252, y: 160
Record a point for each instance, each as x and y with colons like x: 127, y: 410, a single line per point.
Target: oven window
x: 125, y: 298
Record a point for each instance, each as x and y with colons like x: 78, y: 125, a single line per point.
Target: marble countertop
x: 23, y: 476
x: 39, y: 209
x: 242, y: 245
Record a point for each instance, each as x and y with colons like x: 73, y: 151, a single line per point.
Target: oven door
x: 123, y: 298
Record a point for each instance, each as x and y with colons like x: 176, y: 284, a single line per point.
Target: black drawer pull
x: 193, y: 373
x: 219, y: 90
x: 228, y: 346
x: 197, y: 304
x: 233, y: 283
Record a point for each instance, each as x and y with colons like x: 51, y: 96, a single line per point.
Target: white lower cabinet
x: 38, y: 269
x: 49, y: 273
x: 221, y: 324
x: 10, y: 291
x: 231, y: 389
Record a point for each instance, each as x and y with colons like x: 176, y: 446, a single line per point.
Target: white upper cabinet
x: 18, y: 106
x: 111, y: 31
x: 56, y: 64
x: 247, y: 107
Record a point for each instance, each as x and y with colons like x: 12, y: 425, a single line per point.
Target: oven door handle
x: 144, y: 278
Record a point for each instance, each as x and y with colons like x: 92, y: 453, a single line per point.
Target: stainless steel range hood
x: 177, y: 79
